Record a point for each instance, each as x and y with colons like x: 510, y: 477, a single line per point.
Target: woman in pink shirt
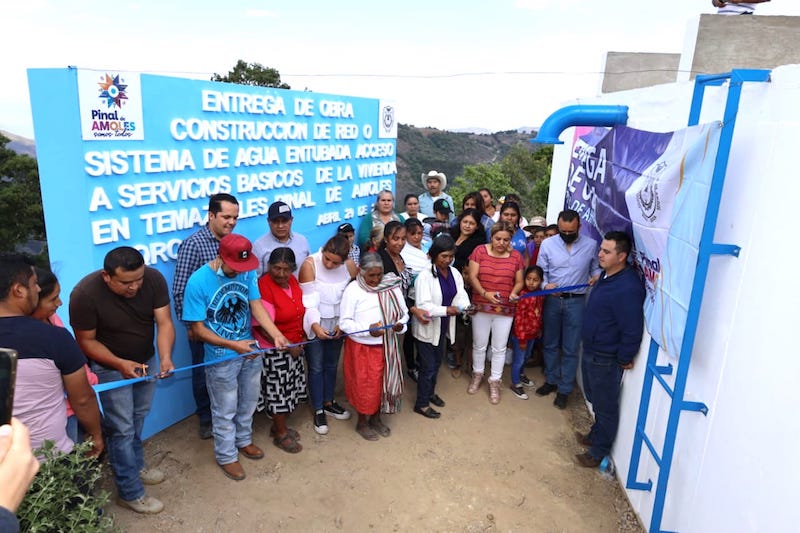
x: 495, y: 272
x: 49, y: 302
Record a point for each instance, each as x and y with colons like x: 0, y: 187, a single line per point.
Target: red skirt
x: 363, y: 375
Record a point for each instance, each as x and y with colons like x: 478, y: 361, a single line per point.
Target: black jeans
x: 430, y: 359
x: 602, y: 377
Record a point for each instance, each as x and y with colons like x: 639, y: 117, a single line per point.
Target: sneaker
x: 143, y: 505
x: 546, y: 389
x: 204, y: 430
x: 337, y: 411
x: 560, y: 401
x: 413, y: 375
x: 320, y: 422
x: 151, y: 476
x: 475, y: 384
x: 526, y: 382
x: 519, y: 392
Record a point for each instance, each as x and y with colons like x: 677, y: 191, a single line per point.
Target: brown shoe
x: 233, y: 471
x: 586, y: 460
x: 582, y: 439
x: 251, y: 451
x: 475, y: 384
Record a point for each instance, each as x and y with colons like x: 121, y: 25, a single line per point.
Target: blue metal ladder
x: 707, y: 248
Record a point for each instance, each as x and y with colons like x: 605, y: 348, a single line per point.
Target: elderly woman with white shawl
x: 372, y: 313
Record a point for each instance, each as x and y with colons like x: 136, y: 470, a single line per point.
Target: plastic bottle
x: 607, y: 469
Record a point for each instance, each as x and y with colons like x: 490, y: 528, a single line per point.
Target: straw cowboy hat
x: 534, y: 223
x: 434, y: 174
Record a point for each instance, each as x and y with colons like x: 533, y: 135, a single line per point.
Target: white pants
x: 499, y: 326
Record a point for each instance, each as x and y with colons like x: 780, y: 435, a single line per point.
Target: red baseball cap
x: 237, y: 252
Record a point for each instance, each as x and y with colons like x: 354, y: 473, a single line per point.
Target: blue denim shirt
x: 568, y: 267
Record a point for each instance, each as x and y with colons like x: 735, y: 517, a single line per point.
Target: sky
x: 491, y: 64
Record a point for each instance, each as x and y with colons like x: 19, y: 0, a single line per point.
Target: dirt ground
x: 479, y: 467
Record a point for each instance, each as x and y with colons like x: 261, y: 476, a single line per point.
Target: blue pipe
x: 580, y: 115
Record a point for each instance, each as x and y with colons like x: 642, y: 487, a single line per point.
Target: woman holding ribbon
x: 496, y: 278
x: 283, y: 379
x: 372, y: 313
x: 440, y: 293
x: 323, y: 278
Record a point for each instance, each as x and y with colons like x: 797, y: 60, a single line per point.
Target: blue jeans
x: 602, y: 377
x: 124, y: 410
x: 323, y: 364
x: 233, y: 387
x: 429, y: 358
x: 563, y: 321
x: 199, y: 389
x: 520, y: 356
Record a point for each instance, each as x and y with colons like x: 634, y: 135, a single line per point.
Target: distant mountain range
x: 418, y: 151
x: 21, y: 145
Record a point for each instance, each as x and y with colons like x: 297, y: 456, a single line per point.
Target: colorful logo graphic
x: 112, y: 91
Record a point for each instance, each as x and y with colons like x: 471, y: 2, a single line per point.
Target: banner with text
x: 130, y: 159
x: 655, y: 187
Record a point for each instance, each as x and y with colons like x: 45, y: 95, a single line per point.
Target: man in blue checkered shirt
x: 197, y: 250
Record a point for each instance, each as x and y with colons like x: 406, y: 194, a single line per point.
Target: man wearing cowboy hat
x: 435, y: 183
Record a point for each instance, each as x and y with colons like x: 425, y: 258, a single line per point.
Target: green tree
x: 521, y: 172
x: 252, y: 74
x: 20, y: 199
x: 485, y: 175
x: 541, y: 188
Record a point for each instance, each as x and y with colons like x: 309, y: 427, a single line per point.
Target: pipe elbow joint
x: 579, y: 115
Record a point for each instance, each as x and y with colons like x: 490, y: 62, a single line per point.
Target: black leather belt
x: 568, y: 295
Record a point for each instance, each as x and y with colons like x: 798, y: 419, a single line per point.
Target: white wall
x: 735, y: 469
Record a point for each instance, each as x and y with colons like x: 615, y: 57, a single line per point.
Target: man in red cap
x: 219, y: 300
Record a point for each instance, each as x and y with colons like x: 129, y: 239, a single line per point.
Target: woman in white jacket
x: 440, y: 293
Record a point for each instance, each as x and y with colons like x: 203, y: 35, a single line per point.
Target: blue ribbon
x: 545, y: 292
x: 102, y: 387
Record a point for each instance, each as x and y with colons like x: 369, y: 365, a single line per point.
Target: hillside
x: 20, y: 145
x: 422, y: 149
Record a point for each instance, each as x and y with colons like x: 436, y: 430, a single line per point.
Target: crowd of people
x: 269, y: 319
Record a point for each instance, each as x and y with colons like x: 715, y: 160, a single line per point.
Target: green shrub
x: 62, y: 496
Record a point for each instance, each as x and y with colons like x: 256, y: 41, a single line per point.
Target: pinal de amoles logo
x: 112, y: 91
x: 108, y: 121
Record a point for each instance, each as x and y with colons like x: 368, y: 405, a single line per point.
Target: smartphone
x: 8, y: 375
